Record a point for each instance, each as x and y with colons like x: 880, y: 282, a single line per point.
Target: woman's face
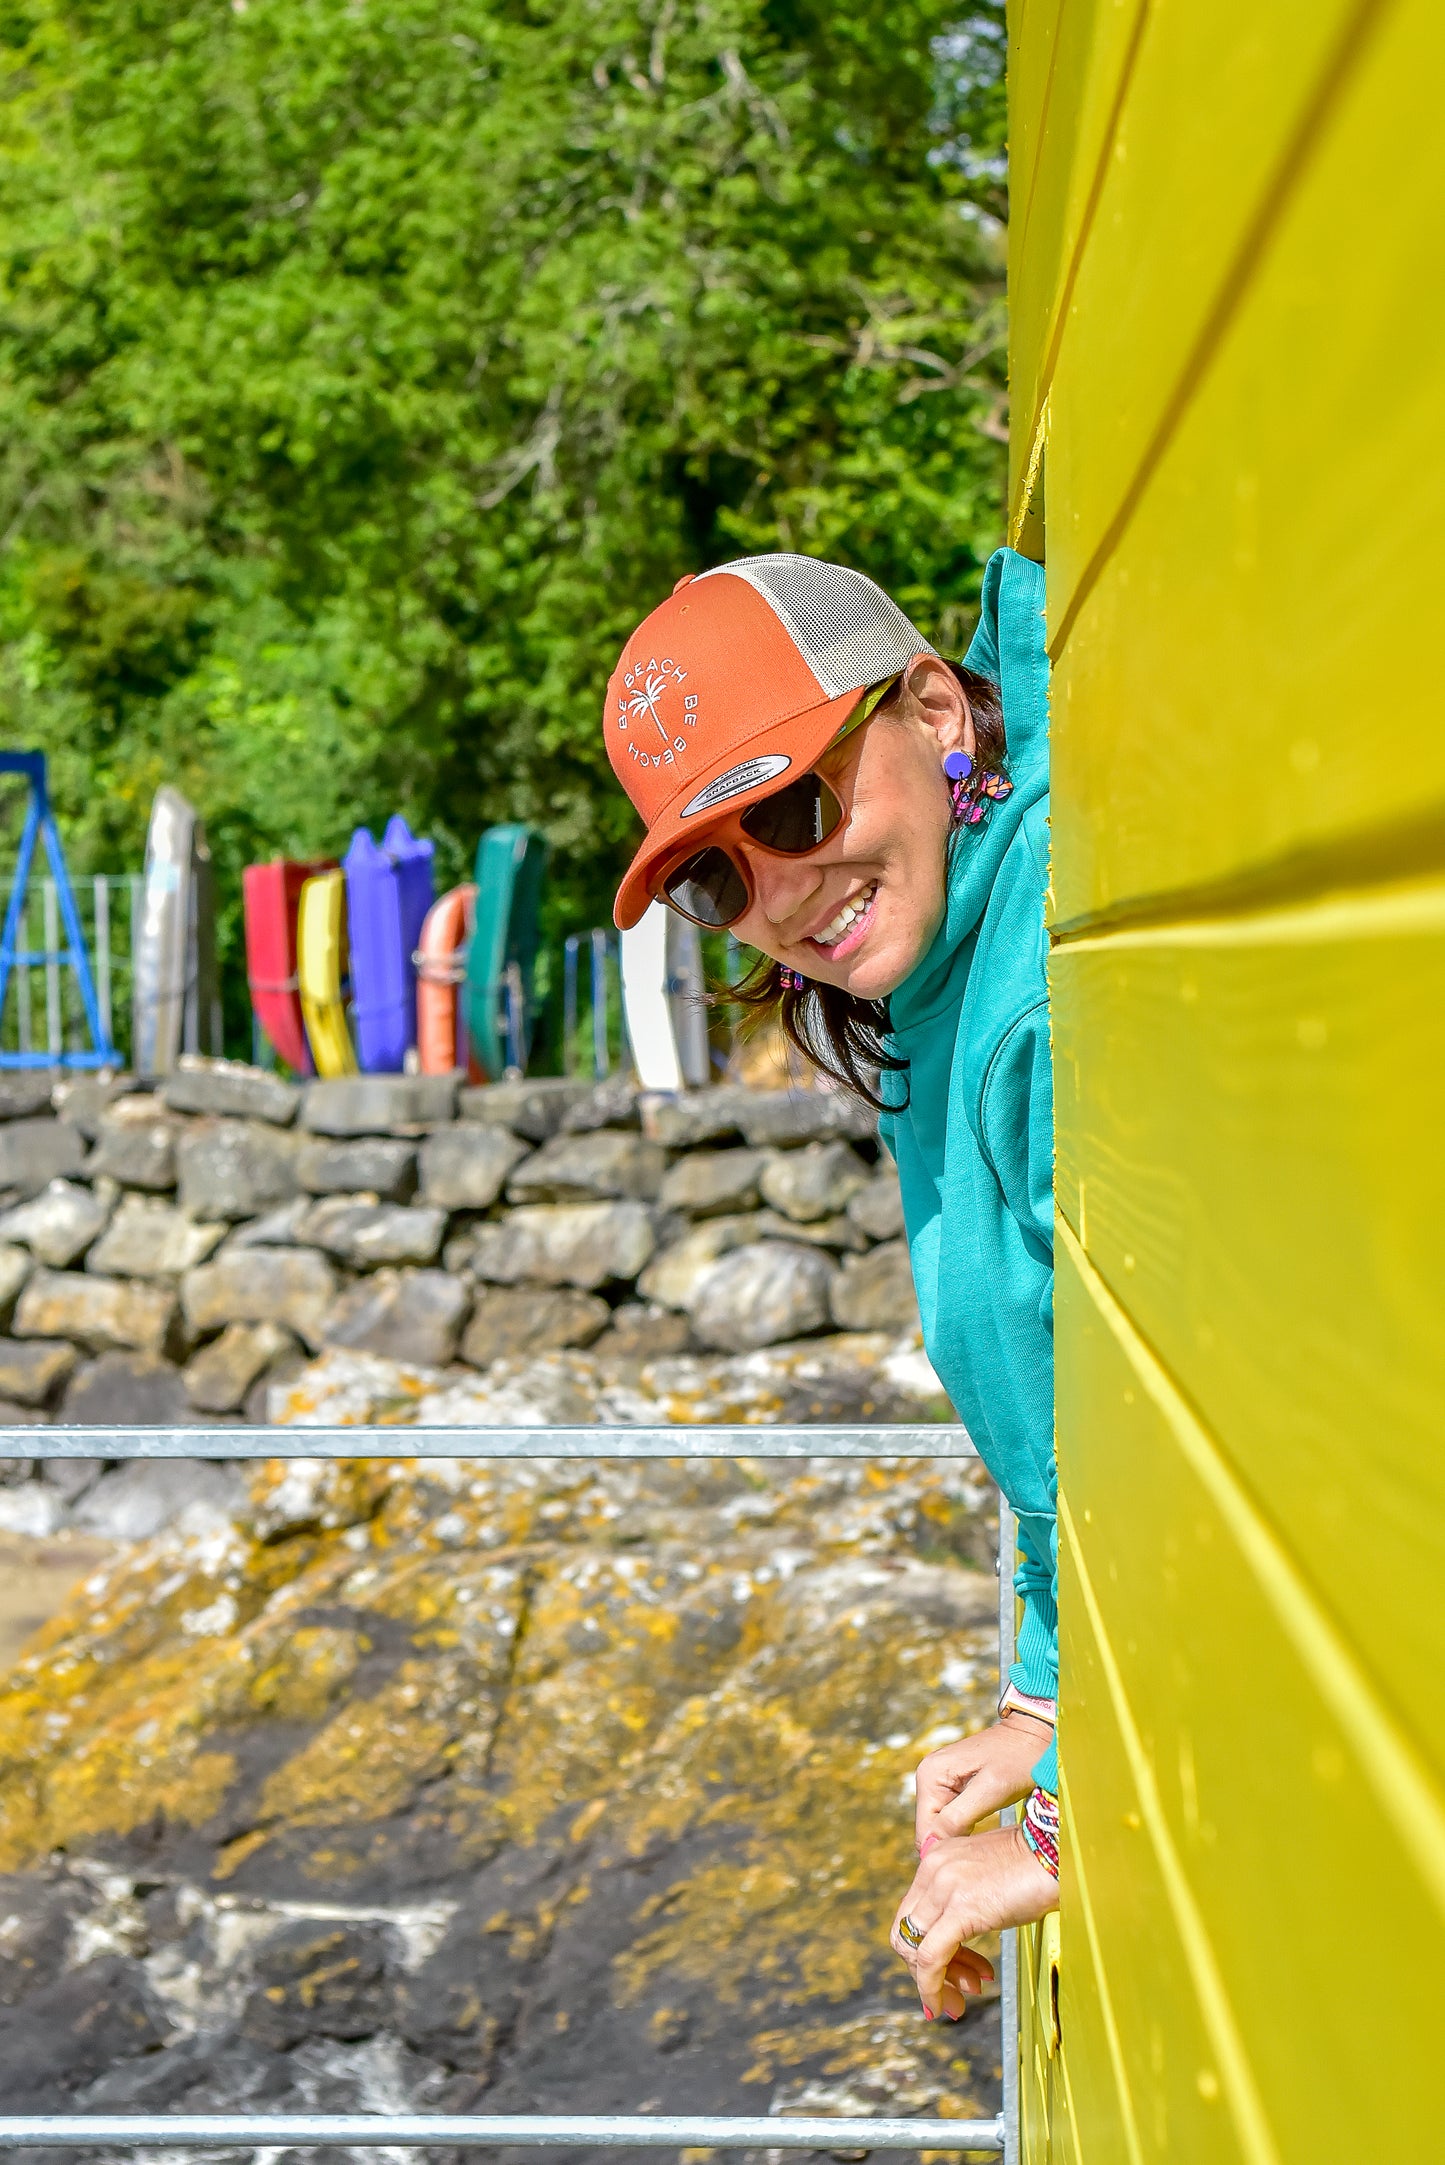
x: 862, y: 909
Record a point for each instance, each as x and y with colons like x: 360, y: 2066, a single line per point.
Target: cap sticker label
x: 654, y: 711
x: 736, y: 780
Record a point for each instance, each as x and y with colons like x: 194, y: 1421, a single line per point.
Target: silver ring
x: 909, y: 1933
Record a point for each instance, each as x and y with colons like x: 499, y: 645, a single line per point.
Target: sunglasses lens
x: 709, y: 888
x: 795, y: 819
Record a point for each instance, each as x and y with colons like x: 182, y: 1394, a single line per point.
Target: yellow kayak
x: 321, y: 965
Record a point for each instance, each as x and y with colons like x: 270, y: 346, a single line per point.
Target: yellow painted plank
x: 1287, y: 1817
x: 1248, y: 1122
x: 1216, y: 98
x: 1145, y: 2075
x: 1253, y: 676
x: 1064, y: 95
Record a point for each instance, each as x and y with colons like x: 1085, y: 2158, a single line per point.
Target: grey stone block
x: 379, y: 1104
x: 149, y: 1238
x: 814, y: 1181
x: 135, y: 1144
x: 363, y: 1233
x: 877, y: 1210
x: 133, y: 1502
x: 683, y: 1120
x: 33, y: 1152
x: 371, y: 1165
x: 641, y: 1331
x: 511, y: 1320
x: 274, y: 1229
x: 761, y: 1295
x: 673, y: 1274
x: 33, y: 1509
x: 228, y: 1089
x: 126, y: 1390
x: 292, y: 1286
x: 98, y: 1312
x: 16, y: 1265
x: 464, y: 1167
x: 533, y: 1109
x: 787, y: 1117
x: 23, y: 1095
x: 613, y: 1103
x: 575, y: 1168
x: 72, y: 1477
x: 582, y: 1244
x: 705, y: 1183
x: 406, y: 1315
x: 874, y: 1292
x: 236, y: 1168
x: 33, y: 1369
x: 83, y: 1104
x: 58, y: 1224
x: 838, y: 1232
x: 219, y: 1377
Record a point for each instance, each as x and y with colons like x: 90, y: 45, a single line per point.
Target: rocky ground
x: 442, y: 1785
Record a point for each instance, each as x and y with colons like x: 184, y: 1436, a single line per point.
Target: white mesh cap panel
x: 848, y: 631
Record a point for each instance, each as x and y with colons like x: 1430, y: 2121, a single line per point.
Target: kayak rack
x: 170, y: 2132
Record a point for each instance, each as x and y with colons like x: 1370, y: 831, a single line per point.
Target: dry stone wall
x: 230, y: 1247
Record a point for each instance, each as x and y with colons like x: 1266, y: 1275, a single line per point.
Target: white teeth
x: 832, y: 933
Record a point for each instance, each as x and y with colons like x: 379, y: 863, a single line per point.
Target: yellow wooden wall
x: 1228, y: 278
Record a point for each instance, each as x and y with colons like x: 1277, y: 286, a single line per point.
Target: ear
x: 942, y: 704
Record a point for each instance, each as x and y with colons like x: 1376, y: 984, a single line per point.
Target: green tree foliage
x: 367, y: 367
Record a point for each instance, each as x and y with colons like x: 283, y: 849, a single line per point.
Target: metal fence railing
x: 170, y: 2132
x: 43, y: 1011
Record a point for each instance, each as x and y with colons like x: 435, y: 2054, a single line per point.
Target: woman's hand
x: 968, y: 1884
x: 961, y: 1784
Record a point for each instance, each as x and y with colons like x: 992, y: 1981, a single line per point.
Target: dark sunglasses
x: 713, y: 889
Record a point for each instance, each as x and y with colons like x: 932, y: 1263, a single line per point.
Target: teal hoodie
x: 972, y: 1122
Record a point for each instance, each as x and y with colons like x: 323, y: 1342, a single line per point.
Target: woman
x: 874, y: 821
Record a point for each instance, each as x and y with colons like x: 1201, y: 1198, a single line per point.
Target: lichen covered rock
x: 450, y: 1785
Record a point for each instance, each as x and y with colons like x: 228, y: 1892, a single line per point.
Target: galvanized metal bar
x: 942, y: 1440
x: 100, y: 890
x: 1009, y: 1941
x: 606, y: 2131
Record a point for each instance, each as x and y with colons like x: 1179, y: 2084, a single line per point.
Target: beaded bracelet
x: 1041, y: 1829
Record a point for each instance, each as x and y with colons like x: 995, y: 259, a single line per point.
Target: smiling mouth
x: 846, y: 929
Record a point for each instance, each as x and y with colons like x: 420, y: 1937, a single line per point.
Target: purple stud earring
x: 957, y: 767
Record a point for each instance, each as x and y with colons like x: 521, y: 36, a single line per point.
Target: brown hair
x: 844, y: 1036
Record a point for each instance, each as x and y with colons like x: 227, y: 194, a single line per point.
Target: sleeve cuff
x: 1046, y: 1770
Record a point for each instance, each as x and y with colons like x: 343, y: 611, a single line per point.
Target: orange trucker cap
x: 743, y: 674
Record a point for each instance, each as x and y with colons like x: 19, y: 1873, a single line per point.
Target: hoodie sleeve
x: 1017, y: 1122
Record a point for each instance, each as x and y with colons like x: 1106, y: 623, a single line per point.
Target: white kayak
x: 175, y: 1004
x: 664, y: 998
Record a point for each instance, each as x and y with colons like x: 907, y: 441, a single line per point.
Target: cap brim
x: 800, y: 740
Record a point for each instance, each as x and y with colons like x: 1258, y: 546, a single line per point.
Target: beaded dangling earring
x: 792, y: 982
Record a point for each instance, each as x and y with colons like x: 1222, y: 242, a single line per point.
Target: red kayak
x: 269, y: 895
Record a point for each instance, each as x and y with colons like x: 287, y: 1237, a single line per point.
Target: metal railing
x: 997, y: 2137
x: 46, y: 1016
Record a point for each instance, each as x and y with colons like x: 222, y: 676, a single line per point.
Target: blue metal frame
x: 40, y: 821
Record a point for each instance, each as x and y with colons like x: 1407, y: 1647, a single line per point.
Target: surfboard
x: 175, y: 1006
x: 321, y: 966
x: 441, y: 968
x: 664, y: 1001
x: 388, y: 893
x: 270, y: 895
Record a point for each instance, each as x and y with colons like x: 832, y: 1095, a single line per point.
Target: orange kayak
x: 441, y: 968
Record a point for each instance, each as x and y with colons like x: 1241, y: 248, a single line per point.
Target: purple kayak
x: 388, y: 893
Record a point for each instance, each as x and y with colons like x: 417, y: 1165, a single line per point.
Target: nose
x: 781, y: 885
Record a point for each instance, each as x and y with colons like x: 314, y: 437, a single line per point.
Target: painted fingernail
x: 928, y: 1842
x: 928, y: 2014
